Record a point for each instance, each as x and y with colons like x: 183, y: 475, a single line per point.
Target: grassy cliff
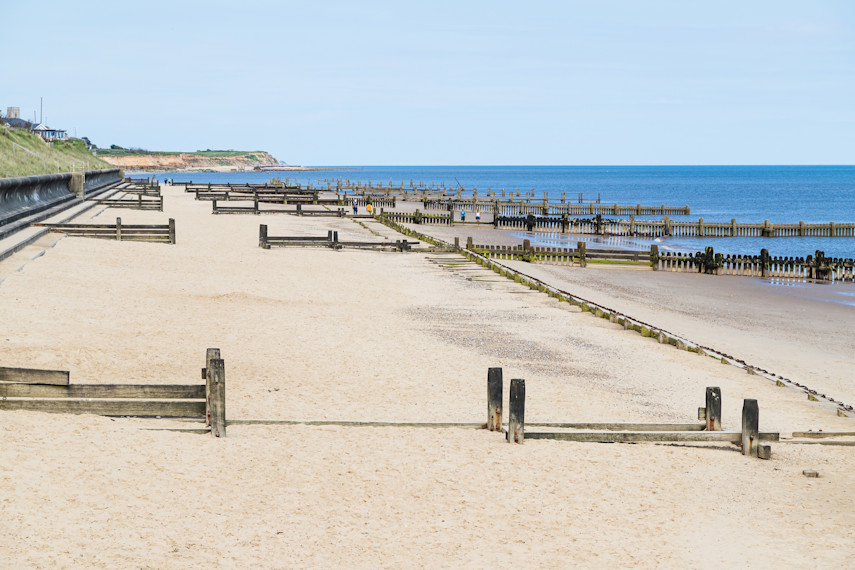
x: 25, y: 154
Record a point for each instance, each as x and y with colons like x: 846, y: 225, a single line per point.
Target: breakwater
x: 667, y: 227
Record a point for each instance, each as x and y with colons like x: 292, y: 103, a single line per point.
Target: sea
x: 749, y: 194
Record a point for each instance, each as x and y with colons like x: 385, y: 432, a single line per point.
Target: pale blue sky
x: 351, y: 83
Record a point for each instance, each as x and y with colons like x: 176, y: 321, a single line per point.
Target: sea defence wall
x: 27, y: 195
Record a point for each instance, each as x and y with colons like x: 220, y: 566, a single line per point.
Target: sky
x: 445, y: 83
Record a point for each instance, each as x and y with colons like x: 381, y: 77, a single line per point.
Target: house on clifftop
x: 48, y: 133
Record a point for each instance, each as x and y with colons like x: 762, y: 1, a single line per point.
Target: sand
x: 356, y: 335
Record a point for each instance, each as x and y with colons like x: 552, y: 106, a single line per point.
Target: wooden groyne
x: 814, y: 267
x: 749, y: 438
x: 418, y: 217
x: 331, y: 241
x: 137, y: 203
x: 667, y: 227
x: 516, y: 208
x: 118, y: 231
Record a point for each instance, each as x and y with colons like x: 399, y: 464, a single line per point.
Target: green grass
x: 62, y: 156
x: 206, y: 153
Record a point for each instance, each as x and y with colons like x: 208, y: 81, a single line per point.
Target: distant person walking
x: 477, y: 215
x: 462, y: 215
x: 355, y: 207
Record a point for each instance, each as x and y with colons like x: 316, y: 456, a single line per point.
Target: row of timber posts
x: 530, y: 219
x: 214, y: 374
x: 818, y: 266
x: 711, y: 414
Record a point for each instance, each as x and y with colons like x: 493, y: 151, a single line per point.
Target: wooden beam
x: 516, y: 413
x: 34, y: 376
x: 217, y: 374
x: 210, y: 355
x: 494, y: 399
x: 107, y: 407
x: 619, y: 426
x: 713, y: 410
x: 639, y: 436
x: 349, y: 423
x: 148, y: 391
x: 823, y: 434
x: 750, y: 427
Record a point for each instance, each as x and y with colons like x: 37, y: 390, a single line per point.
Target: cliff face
x: 223, y: 162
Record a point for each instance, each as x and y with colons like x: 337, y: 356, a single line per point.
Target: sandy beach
x: 312, y: 334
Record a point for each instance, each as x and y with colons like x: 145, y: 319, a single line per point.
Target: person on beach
x: 370, y: 209
x: 462, y: 215
x: 478, y: 215
x: 355, y: 206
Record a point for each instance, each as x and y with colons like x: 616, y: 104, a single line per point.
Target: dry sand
x: 350, y: 335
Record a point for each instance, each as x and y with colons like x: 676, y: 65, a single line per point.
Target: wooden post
x: 172, y: 231
x: 210, y: 355
x: 457, y: 243
x: 119, y: 229
x: 516, y: 411
x: 583, y: 262
x: 469, y: 245
x: 494, y: 399
x: 217, y: 380
x: 712, y: 415
x: 262, y: 236
x: 654, y: 257
x: 750, y: 427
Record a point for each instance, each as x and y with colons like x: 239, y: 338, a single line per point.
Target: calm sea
x: 750, y: 194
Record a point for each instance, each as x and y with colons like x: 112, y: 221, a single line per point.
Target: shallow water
x: 749, y: 194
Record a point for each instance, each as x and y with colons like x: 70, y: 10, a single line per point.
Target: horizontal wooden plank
x: 105, y: 407
x: 352, y: 423
x: 642, y: 436
x: 34, y: 376
x: 104, y: 226
x: 149, y: 391
x: 620, y: 426
x: 179, y: 429
x: 823, y: 434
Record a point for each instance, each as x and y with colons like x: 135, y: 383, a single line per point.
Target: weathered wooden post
x: 299, y: 209
x: 516, y: 411
x: 750, y: 427
x: 712, y: 413
x: 262, y: 236
x: 494, y: 399
x: 583, y: 262
x: 456, y: 243
x: 469, y: 244
x: 210, y: 355
x: 172, y: 231
x: 119, y: 229
x: 654, y: 257
x: 217, y: 380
